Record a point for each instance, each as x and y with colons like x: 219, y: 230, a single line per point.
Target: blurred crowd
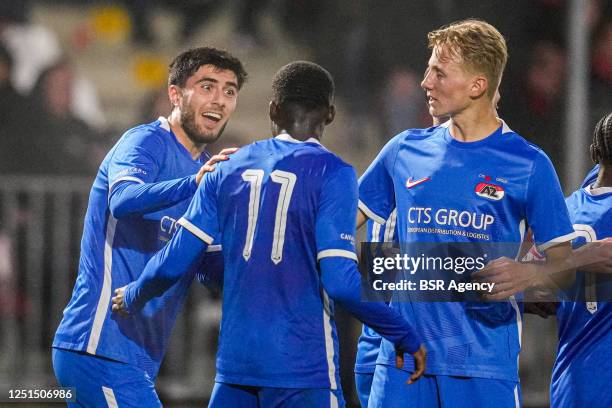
x: 54, y: 123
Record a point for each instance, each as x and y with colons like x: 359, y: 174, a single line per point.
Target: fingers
x: 117, y: 303
x: 206, y: 169
x: 399, y: 359
x: 228, y: 150
x: 420, y: 358
x: 217, y: 158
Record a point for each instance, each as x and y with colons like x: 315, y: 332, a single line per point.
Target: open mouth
x: 214, y: 116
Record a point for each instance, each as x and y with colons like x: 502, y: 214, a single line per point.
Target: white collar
x: 597, y: 191
x: 286, y: 137
x: 505, y: 127
x: 164, y: 124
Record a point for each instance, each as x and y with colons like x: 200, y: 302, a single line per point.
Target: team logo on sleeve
x: 490, y: 191
x: 411, y: 183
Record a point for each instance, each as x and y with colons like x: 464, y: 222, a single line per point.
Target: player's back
x: 277, y: 323
x: 585, y: 325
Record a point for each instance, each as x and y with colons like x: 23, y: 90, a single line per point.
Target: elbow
x: 117, y: 209
x: 337, y: 293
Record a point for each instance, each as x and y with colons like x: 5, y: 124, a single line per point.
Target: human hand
x: 508, y: 276
x: 118, y: 302
x: 420, y: 362
x: 209, y: 166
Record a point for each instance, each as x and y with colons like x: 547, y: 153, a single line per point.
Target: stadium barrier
x: 41, y: 221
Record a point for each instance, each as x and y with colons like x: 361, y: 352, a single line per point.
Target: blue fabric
x: 389, y: 390
x: 282, y: 206
x: 591, y: 176
x: 236, y: 396
x: 363, y: 384
x: 148, y: 179
x: 368, y: 344
x: 131, y: 387
x: 581, y: 378
x: 451, y: 191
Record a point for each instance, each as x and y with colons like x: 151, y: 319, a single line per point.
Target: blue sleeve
x: 182, y: 253
x: 133, y: 176
x: 210, y: 272
x: 546, y: 211
x: 342, y: 283
x: 590, y: 177
x: 336, y: 213
x: 128, y: 197
x: 335, y: 231
x: 376, y: 190
x: 201, y: 217
x: 136, y: 157
x: 386, y: 232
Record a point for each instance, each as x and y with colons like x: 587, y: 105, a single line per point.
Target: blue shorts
x: 241, y: 396
x: 363, y: 383
x: 100, y: 382
x: 389, y: 390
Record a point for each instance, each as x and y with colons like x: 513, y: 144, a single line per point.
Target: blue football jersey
x: 581, y: 376
x: 591, y: 176
x: 115, y: 251
x: 281, y: 206
x: 369, y: 341
x: 487, y: 191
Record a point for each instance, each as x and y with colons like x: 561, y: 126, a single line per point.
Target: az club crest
x: 490, y: 191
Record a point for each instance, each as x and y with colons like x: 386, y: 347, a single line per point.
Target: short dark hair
x: 188, y: 62
x: 601, y: 148
x: 305, y: 83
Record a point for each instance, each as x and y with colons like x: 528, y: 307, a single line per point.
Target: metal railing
x: 41, y: 221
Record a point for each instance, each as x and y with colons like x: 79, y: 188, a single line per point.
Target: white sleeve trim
x: 337, y: 252
x: 370, y: 214
x: 126, y: 178
x: 214, y: 248
x: 556, y: 241
x: 195, y: 231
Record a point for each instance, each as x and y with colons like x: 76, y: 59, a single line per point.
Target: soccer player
x: 285, y: 211
x: 456, y: 175
x: 144, y: 185
x: 581, y: 377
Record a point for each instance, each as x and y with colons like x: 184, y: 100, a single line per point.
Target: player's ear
x: 273, y: 111
x: 174, y: 93
x: 331, y: 114
x: 479, y: 86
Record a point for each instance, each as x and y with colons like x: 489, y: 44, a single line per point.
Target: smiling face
x: 448, y: 84
x: 206, y: 103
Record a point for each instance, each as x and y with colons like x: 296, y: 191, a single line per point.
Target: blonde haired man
x: 471, y: 179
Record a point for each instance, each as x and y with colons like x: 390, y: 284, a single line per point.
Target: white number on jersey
x: 287, y: 181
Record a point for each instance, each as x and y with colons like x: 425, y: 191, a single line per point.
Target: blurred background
x: 74, y: 75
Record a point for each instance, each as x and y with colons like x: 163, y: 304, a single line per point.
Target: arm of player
x: 361, y: 219
x: 131, y: 197
x: 335, y: 231
x: 342, y: 283
x: 162, y: 271
x: 210, y: 273
x: 511, y: 277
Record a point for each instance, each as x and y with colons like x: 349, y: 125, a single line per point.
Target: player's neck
x: 604, y: 177
x: 194, y: 149
x: 303, y: 133
x: 474, y: 123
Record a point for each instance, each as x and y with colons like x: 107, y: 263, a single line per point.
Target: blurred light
x: 150, y: 71
x: 111, y: 23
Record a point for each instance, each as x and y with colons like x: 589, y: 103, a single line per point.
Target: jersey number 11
x: 287, y: 181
